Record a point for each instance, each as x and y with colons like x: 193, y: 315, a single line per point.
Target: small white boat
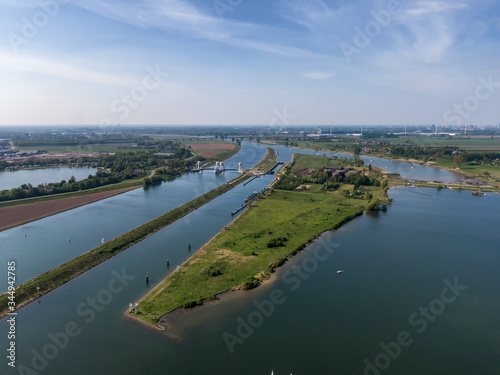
x: 339, y: 272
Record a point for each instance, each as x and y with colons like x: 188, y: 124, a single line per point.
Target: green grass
x: 471, y: 169
x: 316, y: 162
x: 198, y: 141
x: 241, y: 250
x: 81, y: 149
x: 48, y: 281
x: 478, y: 144
x: 269, y: 160
x: 124, y: 184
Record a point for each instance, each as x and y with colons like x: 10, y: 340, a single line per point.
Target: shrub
x: 277, y: 242
x: 251, y: 283
x: 215, y: 270
x: 373, y: 205
x: 190, y: 304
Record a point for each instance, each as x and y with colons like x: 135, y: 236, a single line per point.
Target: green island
x: 279, y: 224
x: 52, y: 279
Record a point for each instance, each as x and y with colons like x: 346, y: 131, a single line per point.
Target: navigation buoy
x: 69, y: 239
x: 168, y: 263
x: 189, y: 246
x: 147, y: 278
x: 25, y: 235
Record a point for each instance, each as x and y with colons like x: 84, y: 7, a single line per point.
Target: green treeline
x: 75, y: 139
x: 114, y: 169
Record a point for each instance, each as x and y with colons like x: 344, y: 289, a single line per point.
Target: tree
x: 459, y: 159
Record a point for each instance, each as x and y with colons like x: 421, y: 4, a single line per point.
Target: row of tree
x: 113, y: 169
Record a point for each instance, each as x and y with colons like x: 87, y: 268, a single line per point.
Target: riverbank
x: 269, y: 160
x: 247, y: 251
x: 50, y: 280
x: 15, y: 215
x: 432, y: 164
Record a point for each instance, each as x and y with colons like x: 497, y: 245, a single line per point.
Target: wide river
x: 35, y: 177
x: 424, y: 273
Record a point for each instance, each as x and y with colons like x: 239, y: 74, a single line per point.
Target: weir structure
x: 219, y: 167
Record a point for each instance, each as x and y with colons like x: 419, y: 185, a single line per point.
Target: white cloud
x: 319, y: 75
x: 20, y: 3
x: 34, y: 64
x: 179, y: 15
x: 426, y: 7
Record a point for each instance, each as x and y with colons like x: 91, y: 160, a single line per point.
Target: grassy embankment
x: 120, y: 185
x: 50, y: 280
x: 269, y: 160
x: 470, y: 169
x: 464, y: 142
x: 240, y: 256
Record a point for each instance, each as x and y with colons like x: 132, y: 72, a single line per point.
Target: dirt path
x: 21, y: 214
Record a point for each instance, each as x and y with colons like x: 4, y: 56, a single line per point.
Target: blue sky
x: 281, y: 62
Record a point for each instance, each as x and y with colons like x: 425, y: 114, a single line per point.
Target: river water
x: 46, y: 243
x: 395, y: 263
x: 411, y: 171
x: 35, y: 177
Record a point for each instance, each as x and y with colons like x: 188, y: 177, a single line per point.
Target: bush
x: 251, y: 283
x: 277, y: 242
x: 215, y: 270
x: 373, y: 205
x: 190, y: 304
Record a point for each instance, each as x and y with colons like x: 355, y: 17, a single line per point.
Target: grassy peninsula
x: 50, y: 280
x: 269, y: 160
x: 277, y: 226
